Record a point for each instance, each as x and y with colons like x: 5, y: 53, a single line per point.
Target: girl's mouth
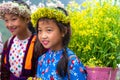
x: 44, y: 42
x: 12, y: 29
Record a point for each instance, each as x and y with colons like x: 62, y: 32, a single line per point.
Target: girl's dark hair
x: 62, y: 64
x: 30, y: 26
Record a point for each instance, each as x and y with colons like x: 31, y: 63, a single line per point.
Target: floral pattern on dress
x: 16, y: 55
x: 47, y: 63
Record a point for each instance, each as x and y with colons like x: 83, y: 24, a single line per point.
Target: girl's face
x: 50, y: 35
x: 15, y: 24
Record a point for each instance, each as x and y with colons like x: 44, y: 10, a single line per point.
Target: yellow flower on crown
x: 49, y: 13
x: 34, y: 78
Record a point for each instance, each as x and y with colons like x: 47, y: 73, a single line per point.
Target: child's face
x: 15, y: 24
x: 50, y: 35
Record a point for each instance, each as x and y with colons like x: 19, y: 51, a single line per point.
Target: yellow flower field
x: 96, y: 32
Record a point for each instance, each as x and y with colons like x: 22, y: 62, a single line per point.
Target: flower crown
x: 50, y: 13
x: 14, y: 8
x: 34, y: 78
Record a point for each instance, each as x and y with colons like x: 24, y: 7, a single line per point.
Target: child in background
x: 1, y: 43
x: 18, y: 50
x: 1, y: 49
x: 53, y: 33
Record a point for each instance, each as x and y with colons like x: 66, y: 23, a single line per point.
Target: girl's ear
x: 64, y: 32
x: 27, y: 20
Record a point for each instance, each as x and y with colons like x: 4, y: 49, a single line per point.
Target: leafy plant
x: 96, y: 32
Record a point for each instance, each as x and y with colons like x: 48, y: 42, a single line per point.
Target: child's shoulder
x: 72, y: 57
x: 70, y: 53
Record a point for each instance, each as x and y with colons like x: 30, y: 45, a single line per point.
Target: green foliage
x: 96, y: 33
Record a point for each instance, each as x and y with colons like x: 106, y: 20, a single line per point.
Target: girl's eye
x: 49, y: 30
x: 14, y: 19
x: 39, y: 31
x: 6, y: 20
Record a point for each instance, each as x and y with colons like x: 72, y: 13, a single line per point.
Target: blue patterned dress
x: 47, y: 63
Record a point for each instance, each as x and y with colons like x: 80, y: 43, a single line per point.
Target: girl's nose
x: 44, y: 35
x: 9, y: 24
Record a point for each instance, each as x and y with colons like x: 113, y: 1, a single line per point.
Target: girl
x: 53, y: 32
x: 18, y: 50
